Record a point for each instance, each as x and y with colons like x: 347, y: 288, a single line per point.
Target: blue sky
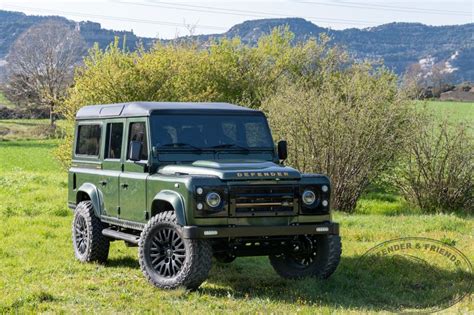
x: 171, y: 18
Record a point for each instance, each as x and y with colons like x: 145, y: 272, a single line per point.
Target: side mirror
x: 282, y: 150
x: 135, y: 150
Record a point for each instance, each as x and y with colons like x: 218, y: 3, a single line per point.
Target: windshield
x: 218, y: 131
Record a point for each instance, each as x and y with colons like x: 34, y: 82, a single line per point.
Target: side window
x: 88, y: 140
x: 113, y: 148
x: 137, y: 132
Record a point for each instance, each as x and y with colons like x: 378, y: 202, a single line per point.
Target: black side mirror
x: 135, y: 151
x: 282, y: 150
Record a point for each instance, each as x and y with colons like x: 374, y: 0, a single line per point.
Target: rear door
x: 132, y: 182
x: 112, y: 165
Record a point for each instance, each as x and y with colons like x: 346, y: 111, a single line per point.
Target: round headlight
x: 309, y: 197
x: 213, y: 199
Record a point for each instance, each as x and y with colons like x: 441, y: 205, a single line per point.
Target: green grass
x: 38, y: 271
x: 455, y: 111
x: 27, y: 169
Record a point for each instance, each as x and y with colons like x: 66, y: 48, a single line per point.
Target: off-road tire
x: 324, y: 263
x: 224, y: 258
x: 87, y: 239
x: 197, y: 261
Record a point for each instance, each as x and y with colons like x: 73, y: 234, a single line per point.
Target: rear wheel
x: 318, y: 256
x: 88, y: 242
x: 168, y: 260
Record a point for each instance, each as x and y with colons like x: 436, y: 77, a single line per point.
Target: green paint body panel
x: 125, y: 191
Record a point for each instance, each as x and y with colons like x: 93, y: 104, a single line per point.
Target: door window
x: 88, y: 140
x: 137, y: 132
x: 114, y: 141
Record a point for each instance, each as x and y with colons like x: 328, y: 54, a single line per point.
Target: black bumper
x: 197, y: 232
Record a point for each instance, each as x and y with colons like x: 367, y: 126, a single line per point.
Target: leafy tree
x: 219, y: 71
x: 351, y: 126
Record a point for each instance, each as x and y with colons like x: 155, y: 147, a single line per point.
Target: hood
x: 234, y: 170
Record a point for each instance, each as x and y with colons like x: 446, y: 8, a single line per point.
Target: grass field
x: 38, y: 272
x: 456, y: 111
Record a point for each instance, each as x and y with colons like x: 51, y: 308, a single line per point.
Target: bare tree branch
x: 41, y: 64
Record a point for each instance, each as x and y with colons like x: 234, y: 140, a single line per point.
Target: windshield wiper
x: 180, y: 145
x: 229, y: 145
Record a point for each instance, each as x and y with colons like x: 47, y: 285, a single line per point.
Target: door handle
x: 103, y: 182
x: 124, y: 185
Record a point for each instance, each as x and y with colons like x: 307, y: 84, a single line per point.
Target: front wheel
x: 170, y: 261
x: 315, y: 256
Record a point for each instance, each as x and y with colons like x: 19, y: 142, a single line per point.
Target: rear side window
x: 138, y: 133
x: 114, y: 141
x: 88, y: 140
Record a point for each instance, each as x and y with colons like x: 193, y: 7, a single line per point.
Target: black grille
x: 263, y: 200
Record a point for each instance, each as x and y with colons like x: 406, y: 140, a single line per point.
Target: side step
x: 121, y: 236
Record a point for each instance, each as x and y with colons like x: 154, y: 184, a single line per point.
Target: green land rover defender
x: 186, y: 182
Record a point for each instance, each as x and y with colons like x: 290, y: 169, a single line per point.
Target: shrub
x: 438, y: 170
x: 352, y: 126
x: 223, y: 71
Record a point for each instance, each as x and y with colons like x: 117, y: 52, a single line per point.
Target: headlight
x: 309, y: 197
x: 213, y: 199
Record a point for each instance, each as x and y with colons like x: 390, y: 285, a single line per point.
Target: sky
x: 172, y: 18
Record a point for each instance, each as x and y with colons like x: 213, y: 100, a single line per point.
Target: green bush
x: 437, y: 172
x: 351, y: 126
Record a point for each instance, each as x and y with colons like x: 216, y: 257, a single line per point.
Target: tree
x: 427, y: 82
x: 40, y: 64
x: 351, y: 126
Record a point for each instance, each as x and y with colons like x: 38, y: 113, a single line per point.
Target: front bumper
x: 196, y: 232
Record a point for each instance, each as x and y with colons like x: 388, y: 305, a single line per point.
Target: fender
x: 176, y: 200
x: 95, y: 195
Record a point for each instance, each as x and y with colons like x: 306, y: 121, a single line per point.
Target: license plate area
x: 268, y: 200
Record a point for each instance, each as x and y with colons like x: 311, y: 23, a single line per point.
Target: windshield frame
x: 192, y: 148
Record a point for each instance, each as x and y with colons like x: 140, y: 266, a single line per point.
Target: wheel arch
x: 88, y: 191
x: 167, y: 200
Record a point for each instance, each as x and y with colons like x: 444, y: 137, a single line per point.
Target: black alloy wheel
x: 168, y: 260
x: 168, y: 252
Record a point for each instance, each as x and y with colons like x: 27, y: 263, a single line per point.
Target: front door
x: 133, y: 179
x: 112, y: 166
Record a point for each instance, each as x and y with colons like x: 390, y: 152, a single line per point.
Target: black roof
x: 138, y: 109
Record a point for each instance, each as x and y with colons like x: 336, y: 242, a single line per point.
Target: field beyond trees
x: 38, y: 271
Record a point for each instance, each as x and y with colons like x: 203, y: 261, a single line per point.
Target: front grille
x: 263, y: 200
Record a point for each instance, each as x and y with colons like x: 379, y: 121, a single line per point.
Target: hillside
x: 398, y: 44
x: 13, y: 24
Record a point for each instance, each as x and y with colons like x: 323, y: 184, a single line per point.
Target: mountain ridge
x: 398, y: 44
